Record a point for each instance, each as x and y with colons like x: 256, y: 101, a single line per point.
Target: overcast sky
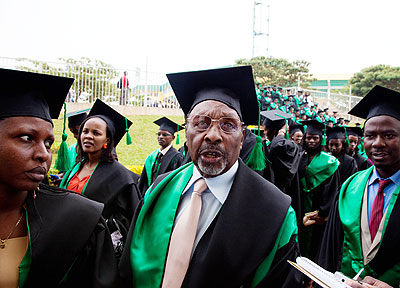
x: 341, y: 36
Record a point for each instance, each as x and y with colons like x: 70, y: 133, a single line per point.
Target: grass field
x: 143, y: 132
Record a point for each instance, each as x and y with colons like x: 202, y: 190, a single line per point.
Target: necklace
x: 87, y: 167
x: 3, y: 242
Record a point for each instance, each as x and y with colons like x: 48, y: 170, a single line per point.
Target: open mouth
x: 211, y: 156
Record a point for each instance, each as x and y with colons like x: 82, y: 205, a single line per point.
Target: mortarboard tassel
x: 177, y: 134
x: 128, y: 136
x: 62, y: 162
x: 256, y: 159
x: 347, y: 137
x: 324, y: 136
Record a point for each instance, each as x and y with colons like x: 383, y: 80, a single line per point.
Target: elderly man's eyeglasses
x: 226, y: 124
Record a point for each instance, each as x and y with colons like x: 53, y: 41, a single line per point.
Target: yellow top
x: 10, y: 258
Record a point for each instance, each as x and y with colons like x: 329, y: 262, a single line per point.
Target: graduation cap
x: 295, y: 128
x: 313, y: 127
x: 275, y: 119
x: 118, y: 124
x: 169, y: 125
x: 32, y: 94
x: 378, y: 101
x: 231, y: 86
x: 336, y: 132
x: 355, y: 131
x: 326, y: 109
x: 77, y: 117
x: 36, y: 95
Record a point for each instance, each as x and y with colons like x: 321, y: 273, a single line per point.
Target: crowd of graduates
x: 280, y: 178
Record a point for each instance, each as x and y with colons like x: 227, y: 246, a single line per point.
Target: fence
x: 95, y: 79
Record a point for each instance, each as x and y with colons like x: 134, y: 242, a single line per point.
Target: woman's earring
x: 105, y: 146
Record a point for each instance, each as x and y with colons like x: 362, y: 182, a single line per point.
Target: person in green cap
x: 214, y: 222
x: 99, y: 176
x: 49, y: 237
x: 319, y: 180
x: 164, y: 159
x: 362, y: 233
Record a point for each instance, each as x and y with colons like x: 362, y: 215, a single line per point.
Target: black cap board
x: 168, y: 125
x: 378, y: 101
x: 275, y: 119
x: 32, y: 94
x: 118, y: 124
x: 336, y: 132
x: 355, y: 131
x: 231, y: 86
x: 295, y: 128
x: 313, y: 127
x: 76, y: 118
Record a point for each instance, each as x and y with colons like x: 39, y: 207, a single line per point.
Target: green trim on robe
x: 65, y: 181
x: 321, y: 167
x: 151, y: 236
x: 148, y: 164
x: 349, y: 206
x: 288, y: 228
x: 25, y: 264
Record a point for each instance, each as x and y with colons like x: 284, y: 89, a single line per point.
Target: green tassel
x: 177, y: 134
x: 324, y: 137
x: 63, y: 162
x: 128, y: 136
x: 256, y: 159
x: 347, y: 137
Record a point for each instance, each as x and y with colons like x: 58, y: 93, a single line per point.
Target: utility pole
x: 255, y: 33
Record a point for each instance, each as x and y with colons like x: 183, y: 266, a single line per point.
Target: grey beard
x: 212, y: 170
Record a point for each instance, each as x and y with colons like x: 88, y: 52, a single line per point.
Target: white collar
x: 220, y: 185
x: 164, y: 151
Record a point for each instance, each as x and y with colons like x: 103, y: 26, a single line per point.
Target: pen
x: 358, y: 274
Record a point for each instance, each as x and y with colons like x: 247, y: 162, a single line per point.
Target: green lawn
x: 143, y: 132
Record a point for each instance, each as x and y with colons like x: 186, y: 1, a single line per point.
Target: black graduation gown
x: 347, y: 167
x: 283, y: 158
x: 68, y: 235
x: 237, y: 242
x: 362, y: 163
x: 332, y: 245
x: 169, y: 162
x: 322, y: 200
x: 117, y: 188
x: 185, y: 153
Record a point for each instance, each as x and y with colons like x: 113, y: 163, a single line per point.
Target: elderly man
x: 214, y: 222
x: 363, y: 230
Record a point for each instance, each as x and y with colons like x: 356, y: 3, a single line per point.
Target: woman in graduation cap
x: 98, y: 175
x: 319, y: 180
x: 49, y: 237
x: 355, y: 135
x: 164, y: 159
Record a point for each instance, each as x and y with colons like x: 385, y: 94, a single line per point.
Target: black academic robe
x: 239, y: 238
x: 323, y: 197
x: 169, y: 162
x: 348, y: 166
x: 117, y: 188
x: 69, y: 240
x: 282, y: 164
x: 388, y: 254
x: 185, y: 153
x: 362, y: 163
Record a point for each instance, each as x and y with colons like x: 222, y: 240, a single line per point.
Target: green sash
x: 349, y: 206
x: 72, y: 154
x: 153, y: 228
x: 321, y: 167
x: 65, y: 181
x: 148, y: 165
x: 288, y: 228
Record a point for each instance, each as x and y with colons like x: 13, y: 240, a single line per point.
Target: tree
x: 278, y: 71
x: 92, y: 77
x: 384, y: 75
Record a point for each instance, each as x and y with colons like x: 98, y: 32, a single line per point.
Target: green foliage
x: 92, y: 77
x: 143, y: 132
x: 367, y: 78
x: 278, y: 71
